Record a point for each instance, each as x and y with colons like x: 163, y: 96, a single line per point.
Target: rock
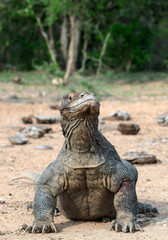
x: 106, y: 127
x: 163, y: 119
x: 128, y: 128
x: 44, y: 147
x: 14, y: 99
x: 27, y: 120
x: 17, y: 128
x: 101, y: 120
x: 47, y: 119
x: 105, y: 219
x: 24, y: 226
x: 54, y: 106
x: 2, y: 201
x: 58, y: 118
x: 42, y: 94
x: 5, y: 233
x: 149, y: 142
x: 139, y: 157
x: 118, y: 115
x: 45, y: 128
x: 18, y: 139
x: 29, y: 206
x: 6, y: 145
x: 57, y: 81
x: 33, y: 132
x: 164, y: 140
x: 17, y: 80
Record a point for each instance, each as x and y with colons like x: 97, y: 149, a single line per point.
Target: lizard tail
x: 28, y: 175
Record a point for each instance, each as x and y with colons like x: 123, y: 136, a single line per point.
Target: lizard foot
x: 40, y: 228
x: 146, y: 208
x: 125, y: 226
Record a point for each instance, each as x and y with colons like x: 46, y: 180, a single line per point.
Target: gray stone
x: 27, y: 120
x: 33, y: 132
x: 44, y: 147
x: 106, y: 127
x: 58, y: 118
x: 164, y: 140
x: 14, y: 99
x: 4, y: 145
x: 139, y: 157
x: 54, y: 106
x: 163, y: 119
x: 47, y: 119
x: 2, y: 200
x: 17, y: 80
x: 18, y: 139
x: 45, y: 128
x: 128, y: 129
x: 118, y: 115
x: 18, y: 128
x: 101, y: 120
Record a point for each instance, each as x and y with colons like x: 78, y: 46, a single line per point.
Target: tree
x: 84, y: 35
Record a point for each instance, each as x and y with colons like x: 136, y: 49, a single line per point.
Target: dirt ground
x: 152, y: 186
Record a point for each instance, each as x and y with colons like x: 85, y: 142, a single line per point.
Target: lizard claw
x: 36, y: 228
x: 43, y: 229
x: 33, y: 228
x: 28, y: 229
x: 53, y: 227
x: 125, y: 227
x: 112, y: 225
x: 138, y: 228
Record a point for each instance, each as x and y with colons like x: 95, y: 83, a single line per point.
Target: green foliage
x: 87, y: 85
x: 130, y: 45
x: 138, y: 40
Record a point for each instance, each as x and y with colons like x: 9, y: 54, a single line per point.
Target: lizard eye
x: 70, y: 98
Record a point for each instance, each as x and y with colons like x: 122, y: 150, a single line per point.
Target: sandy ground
x: 152, y: 186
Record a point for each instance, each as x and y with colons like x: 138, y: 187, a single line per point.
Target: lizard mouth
x: 88, y: 102
x: 89, y: 107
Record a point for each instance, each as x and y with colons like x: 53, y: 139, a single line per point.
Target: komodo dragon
x: 88, y: 180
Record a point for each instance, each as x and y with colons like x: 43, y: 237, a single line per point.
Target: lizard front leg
x: 125, y: 203
x: 43, y: 210
x: 49, y: 186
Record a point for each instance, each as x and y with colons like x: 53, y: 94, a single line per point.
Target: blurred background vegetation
x: 84, y: 37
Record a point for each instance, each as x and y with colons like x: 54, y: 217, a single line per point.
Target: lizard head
x: 80, y: 105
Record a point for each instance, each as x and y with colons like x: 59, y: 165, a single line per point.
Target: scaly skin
x: 88, y: 180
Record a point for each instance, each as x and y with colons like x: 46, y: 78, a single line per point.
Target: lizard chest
x: 84, y: 179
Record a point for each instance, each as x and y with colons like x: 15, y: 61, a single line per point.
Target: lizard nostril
x: 82, y: 94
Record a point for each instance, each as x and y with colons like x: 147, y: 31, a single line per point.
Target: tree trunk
x: 49, y: 40
x: 64, y: 39
x: 76, y: 43
x: 70, y: 50
x: 102, y: 54
x: 84, y: 52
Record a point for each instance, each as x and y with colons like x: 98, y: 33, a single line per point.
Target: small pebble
x: 128, y: 129
x: 24, y: 226
x: 27, y: 120
x: 140, y: 157
x: 18, y: 139
x: 6, y: 145
x: 33, y: 132
x: 44, y: 147
x: 2, y: 200
x: 54, y: 106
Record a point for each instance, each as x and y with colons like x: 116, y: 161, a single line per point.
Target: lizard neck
x: 80, y: 134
